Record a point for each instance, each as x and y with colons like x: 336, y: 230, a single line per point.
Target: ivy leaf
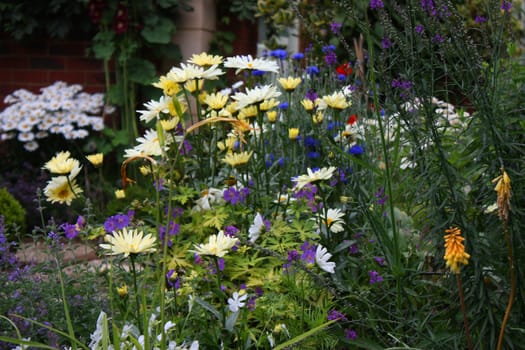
x: 141, y: 71
x: 158, y: 30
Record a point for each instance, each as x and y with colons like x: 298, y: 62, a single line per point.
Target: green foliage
x: 11, y: 210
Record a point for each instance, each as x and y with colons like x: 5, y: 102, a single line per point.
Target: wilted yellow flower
x: 96, y: 159
x: 204, y: 59
x: 218, y: 245
x: 337, y: 100
x: 123, y: 290
x: 227, y: 144
x: 120, y: 194
x: 60, y: 190
x: 237, y: 159
x: 168, y: 86
x: 455, y: 254
x: 503, y: 189
x: 318, y: 117
x: 232, y: 107
x: 61, y: 163
x: 128, y: 242
x: 293, y: 133
x: 145, y: 170
x: 289, y: 83
x: 272, y: 116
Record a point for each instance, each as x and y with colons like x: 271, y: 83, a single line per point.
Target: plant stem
x: 134, y: 273
x: 512, y: 287
x: 464, y: 311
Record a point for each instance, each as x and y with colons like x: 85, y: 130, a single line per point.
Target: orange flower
x: 455, y: 254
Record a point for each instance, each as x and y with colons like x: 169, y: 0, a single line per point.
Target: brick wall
x: 33, y: 65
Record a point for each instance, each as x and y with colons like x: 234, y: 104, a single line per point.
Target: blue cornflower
x: 328, y: 48
x: 356, y: 150
x: 313, y: 155
x: 298, y: 56
x: 258, y: 73
x: 279, y: 53
x: 312, y: 70
x: 283, y: 105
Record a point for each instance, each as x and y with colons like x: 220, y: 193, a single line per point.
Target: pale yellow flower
x: 308, y: 104
x: 193, y: 85
x: 216, y: 101
x: 268, y: 104
x: 120, y: 194
x: 455, y: 254
x: 128, y: 242
x: 168, y: 86
x: 123, y: 290
x: 59, y: 190
x: 248, y: 62
x: 218, y: 245
x: 256, y: 95
x: 61, y: 163
x: 293, y: 133
x: 337, y: 100
x: 237, y: 159
x: 96, y: 159
x: 248, y: 112
x: 272, y: 116
x: 289, y: 83
x: 170, y: 124
x: 205, y: 59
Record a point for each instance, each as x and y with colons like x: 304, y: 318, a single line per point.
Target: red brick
x: 6, y: 75
x: 33, y: 77
x: 65, y: 48
x: 47, y: 62
x: 84, y: 64
x: 95, y: 78
x: 14, y: 62
x: 74, y: 77
x: 36, y: 47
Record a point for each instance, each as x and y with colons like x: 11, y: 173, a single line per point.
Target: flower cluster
x: 63, y: 188
x: 60, y: 109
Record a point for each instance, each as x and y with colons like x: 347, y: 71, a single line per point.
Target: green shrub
x: 11, y: 210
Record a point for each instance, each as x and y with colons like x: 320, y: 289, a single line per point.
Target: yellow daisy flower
x: 168, y: 86
x: 237, y: 159
x: 58, y: 189
x: 289, y: 83
x: 337, y: 100
x: 216, y: 101
x: 218, y: 245
x: 205, y: 59
x: 96, y: 159
x: 61, y: 163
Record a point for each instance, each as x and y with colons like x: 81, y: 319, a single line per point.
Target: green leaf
x: 184, y: 194
x: 208, y: 307
x: 215, y: 218
x: 141, y: 71
x: 231, y: 320
x: 158, y: 30
x: 104, y: 45
x: 303, y: 336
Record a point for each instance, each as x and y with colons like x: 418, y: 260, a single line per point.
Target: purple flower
x: 381, y: 197
x: 232, y: 196
x: 379, y: 260
x: 335, y: 27
x: 386, y: 43
x: 330, y: 58
x: 250, y: 304
x: 118, y: 222
x: 374, y: 277
x: 231, y: 231
x: 354, y: 249
x: 328, y: 48
x: 506, y: 5
x: 480, y: 19
x: 336, y: 315
x: 70, y: 230
x: 159, y: 185
x: 419, y: 29
x: 308, y: 256
x: 350, y: 334
x: 186, y: 147
x: 402, y: 84
x: 312, y: 95
x: 220, y: 263
x: 438, y: 39
x: 428, y: 6
x: 172, y: 229
x: 376, y: 4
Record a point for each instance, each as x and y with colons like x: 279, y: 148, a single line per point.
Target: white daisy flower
x: 192, y: 71
x: 314, y: 176
x: 321, y: 258
x: 334, y: 220
x: 256, y: 95
x: 256, y: 228
x: 31, y: 146
x: 26, y: 136
x: 154, y: 108
x: 248, y: 62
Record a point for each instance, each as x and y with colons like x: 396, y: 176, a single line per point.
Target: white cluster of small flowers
x: 60, y: 109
